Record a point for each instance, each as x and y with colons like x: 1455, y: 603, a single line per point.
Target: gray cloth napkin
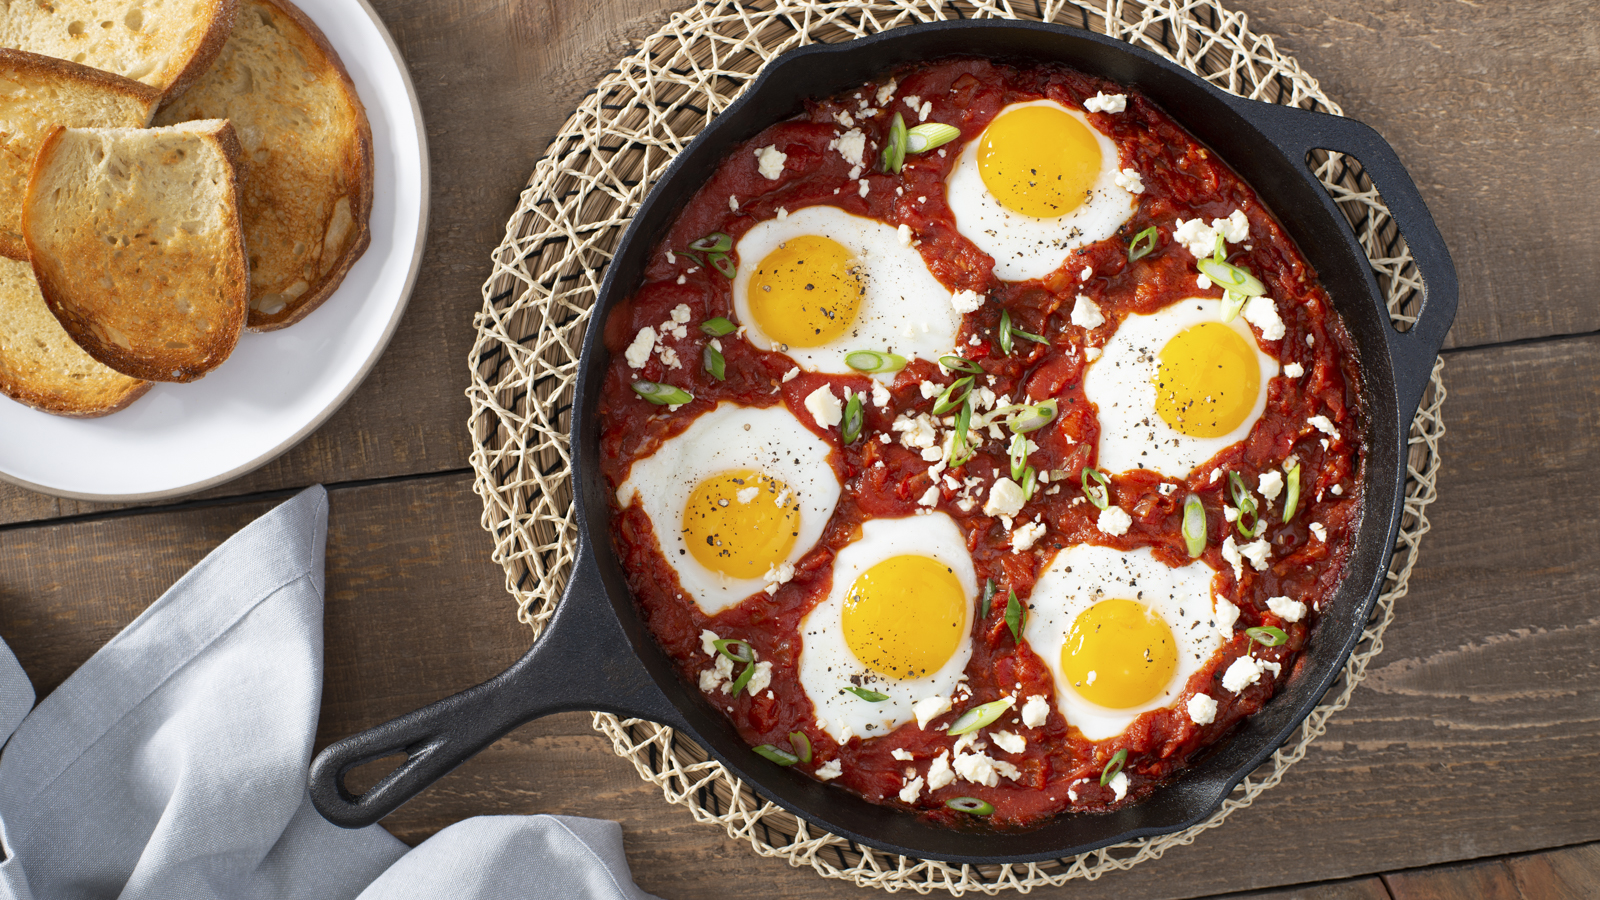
x: 172, y: 765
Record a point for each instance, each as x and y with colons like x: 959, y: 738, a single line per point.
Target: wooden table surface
x: 1476, y: 734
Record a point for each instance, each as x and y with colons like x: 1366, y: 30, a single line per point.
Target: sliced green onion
x: 1113, y: 767
x: 988, y: 593
x: 1267, y: 636
x: 1291, y: 477
x: 714, y: 362
x: 1142, y: 244
x: 1037, y: 339
x: 850, y: 427
x: 735, y: 649
x: 718, y: 327
x: 801, y: 742
x: 715, y: 242
x: 1031, y: 418
x: 978, y: 716
x: 1230, y: 277
x: 661, y: 394
x: 970, y: 805
x: 960, y: 452
x: 781, y: 757
x: 930, y: 135
x: 742, y: 680
x: 869, y: 696
x: 953, y: 396
x: 874, y: 362
x: 1219, y: 250
x: 894, y: 150
x: 960, y: 364
x: 1100, y: 496
x: 1005, y: 331
x: 1016, y: 617
x: 1029, y: 483
x: 1019, y: 456
x: 1246, y: 502
x: 1231, y: 304
x: 723, y: 264
x: 1194, y: 525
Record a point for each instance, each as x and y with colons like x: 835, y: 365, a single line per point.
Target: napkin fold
x: 173, y: 764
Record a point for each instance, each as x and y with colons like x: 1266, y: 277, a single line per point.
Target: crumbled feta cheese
x: 981, y: 768
x: 904, y: 232
x: 1196, y: 237
x: 1005, y: 498
x: 1230, y: 554
x: 1319, y: 531
x: 829, y: 770
x: 1202, y: 709
x: 707, y: 641
x: 1202, y: 281
x: 720, y: 673
x: 1258, y: 552
x: 1025, y: 537
x: 880, y: 398
x: 1235, y: 228
x: 669, y: 358
x: 912, y: 100
x: 1226, y: 615
x: 924, y: 110
x: 791, y: 375
x: 638, y: 352
x: 782, y: 214
x: 1263, y: 314
x: 939, y: 772
x: 1119, y: 784
x: 1322, y: 424
x: 1108, y: 103
x: 1129, y: 180
x: 851, y: 145
x: 928, y: 709
x: 745, y: 495
x: 770, y: 161
x: 930, y: 497
x: 1229, y: 514
x: 901, y: 754
x: 886, y: 92
x: 779, y: 573
x: 929, y: 390
x: 1114, y: 520
x: 681, y: 314
x: 845, y: 119
x: 912, y: 790
x: 1270, y: 486
x: 760, y: 679
x: 918, y: 433
x: 1245, y: 671
x: 1287, y: 609
x: 824, y: 407
x: 966, y: 301
x: 1337, y: 490
x: 864, y: 187
x: 1293, y: 370
x: 1008, y: 741
x: 1086, y: 274
x: 733, y: 203
x: 1167, y: 489
x: 1086, y: 314
x: 1036, y: 711
x: 1091, y: 354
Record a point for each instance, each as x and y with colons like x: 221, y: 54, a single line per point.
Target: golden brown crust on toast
x: 148, y: 276
x: 306, y: 203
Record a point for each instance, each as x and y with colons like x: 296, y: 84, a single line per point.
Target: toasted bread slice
x: 166, y: 44
x: 134, y: 236
x: 309, y: 150
x: 41, y: 366
x: 36, y: 94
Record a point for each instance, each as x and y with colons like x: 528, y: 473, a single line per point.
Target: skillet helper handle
x: 583, y: 661
x: 1298, y: 132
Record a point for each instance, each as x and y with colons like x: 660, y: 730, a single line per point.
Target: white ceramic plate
x: 277, y: 387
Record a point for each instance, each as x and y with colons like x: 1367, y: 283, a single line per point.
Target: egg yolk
x: 806, y: 292
x: 905, y: 617
x: 741, y: 523
x: 1038, y: 161
x: 1208, y: 380
x: 1119, y: 654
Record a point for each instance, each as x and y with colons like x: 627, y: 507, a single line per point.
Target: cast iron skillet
x: 596, y: 654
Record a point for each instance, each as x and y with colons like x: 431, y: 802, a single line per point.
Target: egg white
x: 730, y: 438
x: 1025, y: 247
x: 1121, y: 383
x: 828, y: 666
x: 904, y: 310
x: 1082, y: 575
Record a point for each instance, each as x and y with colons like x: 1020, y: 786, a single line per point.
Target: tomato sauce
x: 1182, y: 180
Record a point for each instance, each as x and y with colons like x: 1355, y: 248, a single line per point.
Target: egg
x: 821, y: 283
x: 739, y: 495
x: 1121, y: 631
x: 1040, y: 182
x: 1175, y: 387
x: 897, y: 621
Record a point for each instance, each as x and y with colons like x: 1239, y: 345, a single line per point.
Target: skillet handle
x: 583, y: 661
x: 1298, y: 132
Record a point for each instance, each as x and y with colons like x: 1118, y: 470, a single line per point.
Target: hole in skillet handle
x: 1297, y: 133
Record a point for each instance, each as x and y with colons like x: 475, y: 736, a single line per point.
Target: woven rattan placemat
x: 548, y: 270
